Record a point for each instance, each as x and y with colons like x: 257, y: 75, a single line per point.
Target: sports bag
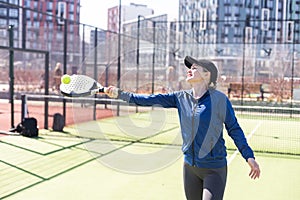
x: 58, y: 122
x: 28, y: 127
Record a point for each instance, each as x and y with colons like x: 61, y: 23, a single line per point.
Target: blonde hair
x: 212, y: 85
x: 58, y: 65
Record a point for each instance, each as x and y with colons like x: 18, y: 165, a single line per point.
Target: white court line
x: 248, y: 137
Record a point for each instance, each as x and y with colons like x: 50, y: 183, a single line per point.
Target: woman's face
x: 197, y: 74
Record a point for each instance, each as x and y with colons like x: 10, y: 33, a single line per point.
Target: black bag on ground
x: 28, y: 127
x: 58, y: 122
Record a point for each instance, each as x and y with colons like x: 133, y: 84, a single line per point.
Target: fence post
x: 119, y: 52
x: 11, y: 72
x: 23, y: 106
x: 46, y: 100
x: 95, y: 67
x: 65, y: 61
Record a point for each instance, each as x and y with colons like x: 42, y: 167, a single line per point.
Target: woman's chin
x: 189, y: 79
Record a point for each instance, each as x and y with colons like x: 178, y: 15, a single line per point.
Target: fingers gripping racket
x: 79, y: 86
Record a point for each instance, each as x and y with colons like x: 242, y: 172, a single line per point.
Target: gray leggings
x: 203, y: 183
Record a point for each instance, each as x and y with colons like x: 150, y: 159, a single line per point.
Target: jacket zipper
x: 193, y: 135
x: 211, y: 147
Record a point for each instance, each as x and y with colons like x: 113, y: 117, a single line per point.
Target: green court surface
x: 280, y: 179
x: 138, y: 157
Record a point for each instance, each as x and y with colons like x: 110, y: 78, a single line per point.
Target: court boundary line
x: 232, y: 157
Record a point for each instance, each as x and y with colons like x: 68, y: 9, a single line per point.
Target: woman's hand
x: 112, y: 92
x: 255, y: 171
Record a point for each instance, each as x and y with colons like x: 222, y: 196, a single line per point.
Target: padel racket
x: 80, y: 86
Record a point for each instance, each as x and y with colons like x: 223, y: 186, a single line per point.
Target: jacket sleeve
x: 236, y: 133
x: 164, y: 100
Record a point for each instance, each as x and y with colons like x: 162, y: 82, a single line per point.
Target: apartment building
x: 224, y: 21
x: 9, y: 15
x: 128, y: 12
x: 41, y: 25
x: 219, y: 28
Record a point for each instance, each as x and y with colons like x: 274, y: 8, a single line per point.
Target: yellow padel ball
x: 66, y: 79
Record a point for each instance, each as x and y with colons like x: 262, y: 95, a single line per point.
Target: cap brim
x: 189, y: 61
x: 210, y: 66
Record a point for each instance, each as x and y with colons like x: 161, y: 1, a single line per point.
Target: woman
x: 202, y: 112
x: 57, y: 75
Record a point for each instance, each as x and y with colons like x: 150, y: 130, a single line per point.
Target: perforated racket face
x: 80, y: 85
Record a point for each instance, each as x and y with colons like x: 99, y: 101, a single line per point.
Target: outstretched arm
x: 163, y: 100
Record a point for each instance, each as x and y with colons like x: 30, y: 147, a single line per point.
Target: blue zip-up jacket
x: 201, y: 122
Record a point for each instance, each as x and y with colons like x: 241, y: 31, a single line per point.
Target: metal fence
x: 152, y: 53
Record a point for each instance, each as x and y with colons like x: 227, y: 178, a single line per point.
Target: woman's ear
x: 207, y: 74
x: 207, y: 77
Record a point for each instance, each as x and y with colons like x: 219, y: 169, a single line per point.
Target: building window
x: 248, y: 35
x: 270, y: 4
x: 36, y: 24
x: 265, y: 17
x: 71, y: 7
x: 49, y: 6
x: 290, y: 31
x: 3, y: 21
x: 226, y: 30
x: 13, y: 22
x: 49, y: 16
x: 27, y: 4
x: 61, y: 12
x: 35, y: 5
x: 13, y: 13
x: 279, y: 15
x: 59, y: 36
x: 13, y: 2
x: 3, y: 11
x: 28, y: 14
x: 3, y: 33
x: 203, y: 19
x: 71, y: 17
x: 227, y: 9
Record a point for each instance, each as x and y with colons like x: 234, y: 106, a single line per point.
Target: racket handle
x: 101, y: 90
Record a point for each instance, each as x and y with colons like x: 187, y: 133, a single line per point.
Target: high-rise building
x: 149, y: 36
x: 50, y: 27
x: 41, y: 25
x: 218, y: 29
x: 224, y: 21
x: 128, y: 12
x: 9, y: 15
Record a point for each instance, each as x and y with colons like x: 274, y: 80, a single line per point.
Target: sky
x: 94, y: 12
